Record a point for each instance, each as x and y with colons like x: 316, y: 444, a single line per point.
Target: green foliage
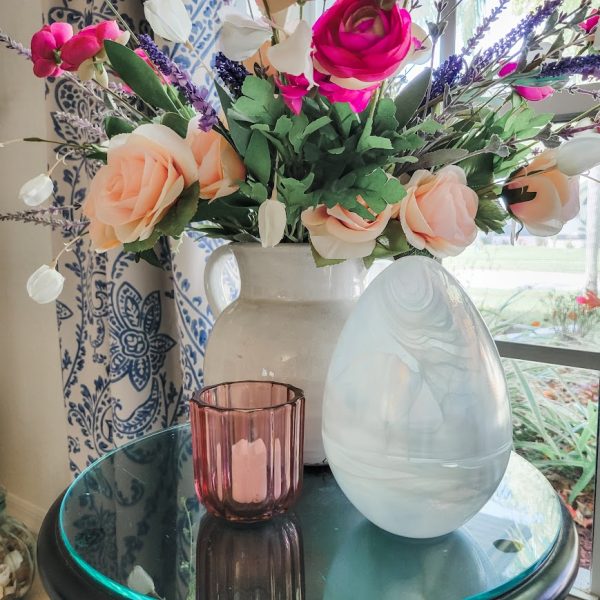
x: 554, y: 434
x: 490, y: 216
x: 181, y: 213
x: 140, y: 77
x: 176, y: 122
x: 410, y: 97
x: 116, y: 125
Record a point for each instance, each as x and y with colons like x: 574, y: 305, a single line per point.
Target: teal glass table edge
x: 330, y: 550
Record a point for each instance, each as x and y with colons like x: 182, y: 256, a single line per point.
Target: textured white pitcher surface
x: 417, y: 423
x: 284, y: 324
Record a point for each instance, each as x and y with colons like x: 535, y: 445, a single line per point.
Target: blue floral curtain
x: 132, y: 336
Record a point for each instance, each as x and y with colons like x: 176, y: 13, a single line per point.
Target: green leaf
x: 254, y: 190
x: 316, y: 125
x: 150, y: 257
x: 240, y: 134
x: 441, y: 157
x: 98, y: 154
x: 385, y: 116
x: 142, y: 245
x: 296, y: 135
x: 258, y: 157
x: 235, y: 207
x: 176, y: 122
x: 140, y: 77
x: 258, y: 103
x: 344, y: 117
x: 324, y: 262
x: 224, y: 97
x: 181, y: 213
x: 490, y: 216
x: 410, y: 97
x: 293, y: 191
x: 115, y: 126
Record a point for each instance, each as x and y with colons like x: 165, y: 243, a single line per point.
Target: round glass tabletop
x: 133, y: 523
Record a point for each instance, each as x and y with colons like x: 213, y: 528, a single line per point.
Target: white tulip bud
x: 241, y: 36
x: 139, y: 581
x: 37, y: 190
x: 272, y: 219
x: 579, y: 154
x: 169, y: 19
x: 45, y: 285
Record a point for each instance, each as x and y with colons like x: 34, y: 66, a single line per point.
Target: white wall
x: 33, y: 455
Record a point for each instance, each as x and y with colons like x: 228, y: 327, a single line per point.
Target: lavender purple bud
x: 588, y: 66
x: 447, y: 74
x: 194, y: 94
x: 232, y: 73
x: 476, y: 38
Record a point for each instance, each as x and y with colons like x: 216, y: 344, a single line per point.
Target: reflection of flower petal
x: 14, y: 560
x: 139, y: 581
x: 4, y: 575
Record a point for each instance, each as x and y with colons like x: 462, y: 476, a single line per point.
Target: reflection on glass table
x: 137, y: 508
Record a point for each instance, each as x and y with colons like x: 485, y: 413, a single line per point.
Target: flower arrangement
x: 341, y: 134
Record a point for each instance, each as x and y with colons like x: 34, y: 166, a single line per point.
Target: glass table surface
x: 137, y: 507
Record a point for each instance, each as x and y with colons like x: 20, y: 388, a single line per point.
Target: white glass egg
x: 416, y: 417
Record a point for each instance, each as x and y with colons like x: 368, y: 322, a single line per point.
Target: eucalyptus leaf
x: 181, y: 213
x: 141, y: 245
x: 258, y: 157
x: 116, y: 125
x: 176, y: 122
x: 140, y: 77
x: 410, y: 97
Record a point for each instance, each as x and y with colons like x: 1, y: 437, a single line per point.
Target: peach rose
x: 438, y: 212
x: 555, y: 201
x: 337, y: 233
x: 144, y: 176
x: 220, y: 169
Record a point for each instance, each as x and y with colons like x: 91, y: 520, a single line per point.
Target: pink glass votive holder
x: 248, y: 441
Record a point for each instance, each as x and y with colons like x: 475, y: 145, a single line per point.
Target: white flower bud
x: 139, y: 581
x: 169, y: 19
x: 271, y: 222
x: 37, y: 190
x: 45, y: 285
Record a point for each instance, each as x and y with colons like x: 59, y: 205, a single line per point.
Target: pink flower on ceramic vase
x: 46, y: 47
x: 89, y: 44
x: 358, y: 43
x: 531, y: 93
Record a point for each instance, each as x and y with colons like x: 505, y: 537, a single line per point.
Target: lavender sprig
x: 588, y: 66
x: 231, y: 73
x: 47, y: 217
x: 11, y: 44
x: 80, y: 123
x: 447, y: 74
x: 522, y: 31
x: 476, y: 38
x: 195, y: 95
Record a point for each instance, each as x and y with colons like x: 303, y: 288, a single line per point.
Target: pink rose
x: 358, y: 43
x: 555, y: 201
x: 337, y: 233
x: 46, y: 45
x: 145, y: 174
x: 293, y: 91
x: 531, y: 93
x: 88, y: 43
x: 220, y: 168
x: 438, y: 212
x: 591, y: 22
x: 357, y: 99
x: 590, y: 300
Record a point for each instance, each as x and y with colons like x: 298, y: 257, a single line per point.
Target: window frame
x: 562, y: 104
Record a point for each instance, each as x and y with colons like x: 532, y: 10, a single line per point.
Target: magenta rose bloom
x: 358, y: 43
x: 45, y: 48
x: 293, y: 91
x: 529, y: 92
x: 88, y: 43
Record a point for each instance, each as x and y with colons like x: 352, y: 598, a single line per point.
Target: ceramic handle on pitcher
x: 216, y: 293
